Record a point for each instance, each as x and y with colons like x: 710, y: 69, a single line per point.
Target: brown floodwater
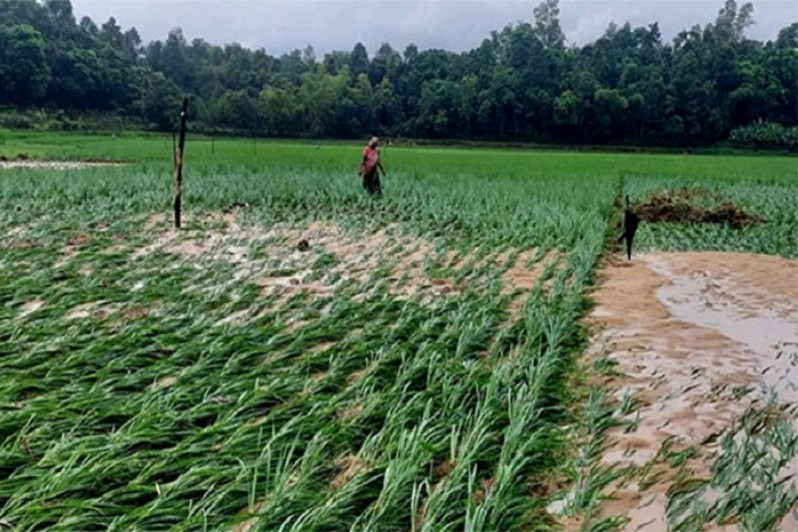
x: 699, y: 338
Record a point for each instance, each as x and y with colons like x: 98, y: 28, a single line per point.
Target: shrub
x: 762, y: 134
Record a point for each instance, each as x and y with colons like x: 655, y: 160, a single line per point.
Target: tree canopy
x: 521, y: 82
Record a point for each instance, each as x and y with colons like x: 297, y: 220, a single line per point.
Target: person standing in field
x: 371, y: 167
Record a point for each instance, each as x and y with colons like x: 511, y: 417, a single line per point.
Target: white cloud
x: 283, y: 25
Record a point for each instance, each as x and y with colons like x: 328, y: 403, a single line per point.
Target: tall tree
x: 732, y: 21
x: 23, y: 65
x: 547, y: 24
x: 359, y: 61
x: 521, y: 82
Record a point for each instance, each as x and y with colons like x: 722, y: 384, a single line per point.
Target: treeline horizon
x: 521, y: 83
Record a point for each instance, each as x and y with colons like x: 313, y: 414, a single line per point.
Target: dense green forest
x: 522, y: 82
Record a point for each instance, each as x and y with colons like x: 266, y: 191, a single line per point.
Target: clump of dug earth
x: 19, y: 157
x: 693, y: 206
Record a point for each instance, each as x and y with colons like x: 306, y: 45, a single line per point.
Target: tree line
x: 523, y: 82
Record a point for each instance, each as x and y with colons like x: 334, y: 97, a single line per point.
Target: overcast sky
x: 283, y: 25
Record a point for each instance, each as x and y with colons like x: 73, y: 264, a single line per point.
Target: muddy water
x: 766, y: 329
x: 699, y: 337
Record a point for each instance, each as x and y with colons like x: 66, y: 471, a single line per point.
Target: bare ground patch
x: 348, y: 413
x: 322, y: 258
x: 165, y: 382
x: 135, y: 313
x: 251, y: 523
x: 356, y: 376
x: 98, y: 310
x: 523, y: 276
x: 329, y: 259
x: 31, y: 306
x: 18, y: 230
x: 57, y: 165
x: 25, y: 243
x: 71, y: 249
x: 349, y: 466
x: 696, y: 337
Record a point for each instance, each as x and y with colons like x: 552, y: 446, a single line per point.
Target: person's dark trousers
x: 371, y: 183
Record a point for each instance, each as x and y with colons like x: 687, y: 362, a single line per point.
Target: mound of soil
x: 692, y: 205
x: 19, y: 157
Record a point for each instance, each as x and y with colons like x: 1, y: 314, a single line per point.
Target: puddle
x: 767, y: 330
x: 699, y: 338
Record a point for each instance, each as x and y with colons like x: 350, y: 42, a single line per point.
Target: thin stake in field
x: 179, y: 163
x: 630, y: 223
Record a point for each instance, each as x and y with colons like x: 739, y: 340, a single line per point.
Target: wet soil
x: 697, y: 338
x: 523, y: 276
x: 357, y: 262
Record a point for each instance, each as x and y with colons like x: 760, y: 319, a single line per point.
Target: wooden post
x: 179, y: 163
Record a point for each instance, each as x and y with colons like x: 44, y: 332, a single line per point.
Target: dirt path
x: 697, y: 337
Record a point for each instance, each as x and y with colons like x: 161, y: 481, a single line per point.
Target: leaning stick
x: 179, y: 163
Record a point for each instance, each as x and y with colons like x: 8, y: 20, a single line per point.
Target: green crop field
x: 416, y: 368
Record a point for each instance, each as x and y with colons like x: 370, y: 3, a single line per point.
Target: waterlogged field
x: 416, y: 368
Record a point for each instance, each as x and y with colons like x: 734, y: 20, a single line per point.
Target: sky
x: 280, y: 26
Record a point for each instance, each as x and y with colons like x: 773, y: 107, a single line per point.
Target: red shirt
x: 371, y: 158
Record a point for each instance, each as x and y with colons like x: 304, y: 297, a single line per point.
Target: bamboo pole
x: 179, y: 163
